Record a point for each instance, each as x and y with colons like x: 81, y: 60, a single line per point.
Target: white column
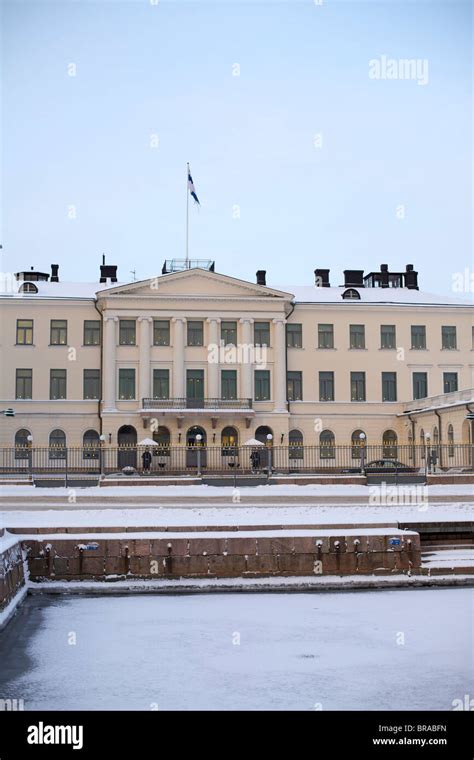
x: 178, y: 357
x: 109, y: 370
x: 144, y: 370
x: 279, y: 366
x: 246, y: 380
x: 212, y: 358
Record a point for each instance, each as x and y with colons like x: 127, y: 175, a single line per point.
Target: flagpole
x: 187, y: 218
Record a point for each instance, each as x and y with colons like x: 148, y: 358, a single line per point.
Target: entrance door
x: 127, y: 441
x: 195, y: 389
x: 192, y: 446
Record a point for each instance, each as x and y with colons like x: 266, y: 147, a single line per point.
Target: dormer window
x: 351, y: 294
x: 28, y: 287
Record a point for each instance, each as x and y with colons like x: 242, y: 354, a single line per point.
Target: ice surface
x: 347, y: 651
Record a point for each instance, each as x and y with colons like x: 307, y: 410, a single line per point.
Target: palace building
x: 194, y: 351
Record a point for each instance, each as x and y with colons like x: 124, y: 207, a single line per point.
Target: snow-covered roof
x: 303, y: 293
x: 312, y: 294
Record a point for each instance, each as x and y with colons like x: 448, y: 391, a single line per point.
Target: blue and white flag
x: 191, y: 188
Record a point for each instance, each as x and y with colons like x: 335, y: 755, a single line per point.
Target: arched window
x: 357, y: 442
x: 450, y: 441
x: 57, y: 444
x: 162, y: 438
x: 91, y: 444
x: 351, y: 294
x: 261, y: 434
x: 21, y: 443
x: 389, y: 444
x: 295, y: 439
x: 327, y: 442
x: 229, y: 442
x: 28, y: 287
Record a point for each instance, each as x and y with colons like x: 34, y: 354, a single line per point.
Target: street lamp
x: 102, y: 440
x: 362, y: 453
x: 427, y: 450
x: 29, y: 438
x: 198, y: 440
x: 269, y: 443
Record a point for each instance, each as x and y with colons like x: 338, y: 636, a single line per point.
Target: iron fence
x: 172, y: 460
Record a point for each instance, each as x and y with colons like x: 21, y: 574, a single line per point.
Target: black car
x: 382, y: 466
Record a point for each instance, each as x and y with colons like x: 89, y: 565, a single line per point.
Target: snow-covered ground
x: 236, y: 515
x: 362, y: 650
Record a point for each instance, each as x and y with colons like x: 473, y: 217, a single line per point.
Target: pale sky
x: 300, y: 161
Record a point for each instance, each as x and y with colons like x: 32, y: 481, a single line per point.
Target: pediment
x: 198, y: 283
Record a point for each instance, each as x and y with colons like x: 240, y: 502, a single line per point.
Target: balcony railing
x: 197, y: 403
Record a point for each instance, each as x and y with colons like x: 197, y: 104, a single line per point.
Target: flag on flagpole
x: 191, y: 188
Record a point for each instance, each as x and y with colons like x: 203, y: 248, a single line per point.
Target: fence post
x: 65, y: 466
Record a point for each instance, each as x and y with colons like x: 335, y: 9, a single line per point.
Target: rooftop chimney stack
x: 261, y: 277
x: 321, y: 278
x: 411, y: 278
x: 384, y: 276
x: 54, y: 273
x: 353, y: 278
x: 107, y: 271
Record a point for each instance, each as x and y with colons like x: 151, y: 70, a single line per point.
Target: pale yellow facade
x: 201, y: 296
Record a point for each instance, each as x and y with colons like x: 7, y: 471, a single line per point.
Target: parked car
x: 383, y: 466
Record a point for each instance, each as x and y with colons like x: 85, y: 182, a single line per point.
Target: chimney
x: 411, y: 278
x: 353, y: 278
x: 107, y: 271
x: 54, y: 273
x: 321, y: 278
x: 384, y: 276
x: 261, y: 277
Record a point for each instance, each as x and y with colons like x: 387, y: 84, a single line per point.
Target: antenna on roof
x: 132, y: 271
x: 103, y: 258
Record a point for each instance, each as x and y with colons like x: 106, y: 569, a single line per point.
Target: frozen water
x: 370, y: 650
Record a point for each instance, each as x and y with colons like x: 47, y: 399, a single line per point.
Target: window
x: 229, y: 333
x: 21, y: 444
x: 162, y: 438
x: 418, y: 337
x: 296, y: 450
x: 24, y: 332
x: 351, y: 294
x: 126, y: 384
x: 326, y: 445
x: 294, y: 336
x: 389, y: 386
x: 325, y: 336
x: 420, y: 385
x: 91, y: 332
x: 229, y: 384
x: 91, y: 383
x: 448, y: 338
x: 356, y: 336
x: 389, y: 445
x: 161, y: 332
x: 357, y: 442
x: 161, y: 383
x: 326, y: 386
x: 450, y: 382
x: 28, y: 287
x: 387, y: 336
x: 261, y: 333
x: 195, y: 333
x: 357, y: 386
x: 229, y: 443
x: 127, y: 332
x: 24, y: 383
x: 294, y: 384
x: 262, y: 385
x: 57, y: 445
x: 57, y: 384
x: 58, y: 335
x: 91, y: 444
x: 450, y: 441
